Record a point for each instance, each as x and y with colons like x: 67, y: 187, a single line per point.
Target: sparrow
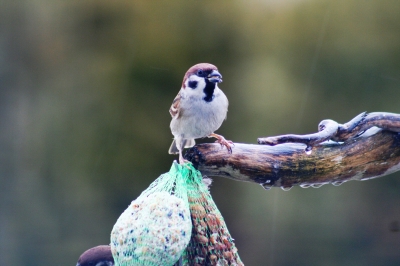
x: 96, y: 256
x: 102, y: 256
x: 198, y: 110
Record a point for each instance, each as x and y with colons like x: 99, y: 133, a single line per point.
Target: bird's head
x: 202, y: 79
x: 97, y: 256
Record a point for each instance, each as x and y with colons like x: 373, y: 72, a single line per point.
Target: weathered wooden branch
x: 366, y: 147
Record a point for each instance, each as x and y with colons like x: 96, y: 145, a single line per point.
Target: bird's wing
x: 175, y: 107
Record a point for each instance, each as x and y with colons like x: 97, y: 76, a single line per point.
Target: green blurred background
x: 85, y: 88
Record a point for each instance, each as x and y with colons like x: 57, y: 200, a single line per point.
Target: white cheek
x: 195, y: 78
x: 198, y: 91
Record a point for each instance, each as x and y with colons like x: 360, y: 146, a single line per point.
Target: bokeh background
x: 85, y: 88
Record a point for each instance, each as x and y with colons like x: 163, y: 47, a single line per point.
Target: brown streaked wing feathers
x: 175, y: 107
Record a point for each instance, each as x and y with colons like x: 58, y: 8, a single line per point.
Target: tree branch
x: 365, y: 149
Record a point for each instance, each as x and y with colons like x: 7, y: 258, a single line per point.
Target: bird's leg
x: 221, y: 140
x: 182, y: 161
x: 179, y: 146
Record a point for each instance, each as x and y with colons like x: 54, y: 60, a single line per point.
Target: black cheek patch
x: 192, y: 84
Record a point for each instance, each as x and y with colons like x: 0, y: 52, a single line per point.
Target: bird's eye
x: 200, y: 72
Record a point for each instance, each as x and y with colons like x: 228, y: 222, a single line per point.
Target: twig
x: 366, y: 147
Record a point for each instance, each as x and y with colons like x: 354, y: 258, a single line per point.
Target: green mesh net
x: 210, y: 242
x: 174, y: 218
x: 155, y: 228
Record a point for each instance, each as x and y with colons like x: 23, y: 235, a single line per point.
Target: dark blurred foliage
x: 85, y: 88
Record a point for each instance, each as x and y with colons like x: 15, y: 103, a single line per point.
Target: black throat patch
x: 209, y: 91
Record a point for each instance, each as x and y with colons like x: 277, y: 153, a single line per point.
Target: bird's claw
x: 184, y: 162
x: 227, y: 143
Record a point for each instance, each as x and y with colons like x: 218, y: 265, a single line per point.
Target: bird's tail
x: 186, y: 143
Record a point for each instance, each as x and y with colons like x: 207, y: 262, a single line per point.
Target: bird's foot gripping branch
x: 368, y: 146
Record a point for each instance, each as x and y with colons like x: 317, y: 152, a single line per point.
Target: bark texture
x: 371, y: 151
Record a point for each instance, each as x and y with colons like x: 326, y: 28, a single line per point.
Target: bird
x: 198, y: 110
x: 102, y: 256
x: 96, y: 256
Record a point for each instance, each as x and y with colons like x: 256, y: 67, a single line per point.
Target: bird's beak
x: 215, y: 77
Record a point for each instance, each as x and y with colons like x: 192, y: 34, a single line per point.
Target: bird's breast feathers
x: 198, y: 118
